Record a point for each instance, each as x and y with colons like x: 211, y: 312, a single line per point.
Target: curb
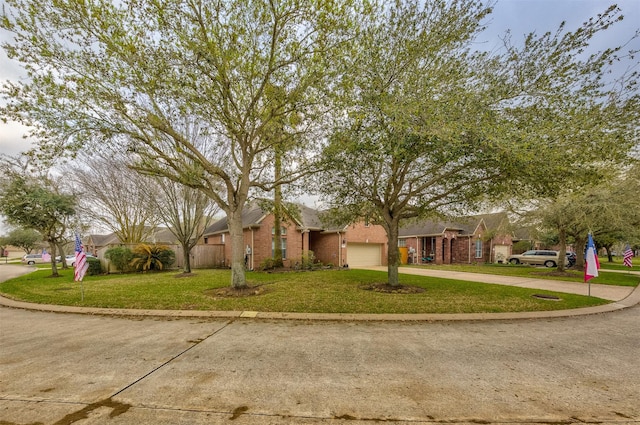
x: 630, y: 301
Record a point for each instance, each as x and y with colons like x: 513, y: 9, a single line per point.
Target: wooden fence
x: 202, y: 257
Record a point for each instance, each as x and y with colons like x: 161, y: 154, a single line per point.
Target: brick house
x: 356, y: 244
x: 476, y: 239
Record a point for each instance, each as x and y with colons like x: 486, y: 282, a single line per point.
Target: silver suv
x: 31, y: 259
x: 537, y: 257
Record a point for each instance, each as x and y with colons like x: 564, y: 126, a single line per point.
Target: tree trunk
x: 63, y: 257
x: 562, y: 236
x: 277, y: 213
x: 54, y: 266
x: 238, y: 278
x: 581, y: 243
x: 186, y: 251
x: 393, y: 254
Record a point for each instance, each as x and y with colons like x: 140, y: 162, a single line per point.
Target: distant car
x: 32, y: 259
x: 71, y: 259
x: 537, y: 257
x: 571, y: 258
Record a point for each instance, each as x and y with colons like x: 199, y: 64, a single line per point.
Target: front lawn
x: 328, y: 291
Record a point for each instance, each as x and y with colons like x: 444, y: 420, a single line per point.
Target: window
x: 478, y: 248
x: 283, y: 230
x: 206, y: 241
x: 402, y: 243
x: 283, y: 246
x: 222, y: 238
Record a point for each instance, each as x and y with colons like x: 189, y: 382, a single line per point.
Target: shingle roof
x: 161, y: 235
x: 464, y: 225
x: 254, y: 213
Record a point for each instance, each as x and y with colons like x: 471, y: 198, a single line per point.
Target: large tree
x: 433, y: 128
x: 130, y: 73
x: 113, y: 196
x: 33, y: 206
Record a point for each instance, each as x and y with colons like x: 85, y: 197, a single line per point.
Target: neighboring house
x: 355, y: 245
x: 475, y: 239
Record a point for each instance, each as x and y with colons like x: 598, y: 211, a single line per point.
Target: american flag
x: 81, y: 265
x: 628, y: 254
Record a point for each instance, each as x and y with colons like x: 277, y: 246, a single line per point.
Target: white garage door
x: 363, y: 254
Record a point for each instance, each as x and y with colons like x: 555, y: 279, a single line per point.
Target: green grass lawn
x: 327, y: 291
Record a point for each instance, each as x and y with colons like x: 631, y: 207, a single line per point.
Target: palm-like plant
x: 152, y: 257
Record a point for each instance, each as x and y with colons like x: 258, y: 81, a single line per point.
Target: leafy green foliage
x: 32, y: 206
x: 27, y: 239
x: 267, y: 264
x: 120, y: 257
x: 95, y: 267
x: 152, y: 257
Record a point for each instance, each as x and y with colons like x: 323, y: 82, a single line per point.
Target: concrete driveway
x: 59, y: 368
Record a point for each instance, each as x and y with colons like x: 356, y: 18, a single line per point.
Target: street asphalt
x: 115, y: 367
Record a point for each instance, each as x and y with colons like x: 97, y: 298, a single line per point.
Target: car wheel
x: 31, y: 263
x: 514, y: 261
x: 549, y: 263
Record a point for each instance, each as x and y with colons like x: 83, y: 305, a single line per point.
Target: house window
x: 206, y: 241
x: 283, y: 244
x: 222, y: 238
x: 478, y: 248
x: 283, y: 230
x: 402, y: 243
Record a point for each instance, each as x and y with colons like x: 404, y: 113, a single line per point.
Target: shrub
x: 95, y: 267
x: 308, y: 261
x: 267, y: 264
x: 152, y: 257
x: 120, y: 257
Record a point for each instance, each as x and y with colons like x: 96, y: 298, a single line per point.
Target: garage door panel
x: 361, y: 255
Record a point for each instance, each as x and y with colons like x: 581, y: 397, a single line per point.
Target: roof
x: 464, y: 225
x: 306, y: 218
x: 161, y: 235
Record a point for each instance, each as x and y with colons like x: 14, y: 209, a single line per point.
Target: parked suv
x: 537, y: 257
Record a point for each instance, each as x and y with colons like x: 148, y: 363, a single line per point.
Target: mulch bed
x: 230, y: 292
x: 389, y: 289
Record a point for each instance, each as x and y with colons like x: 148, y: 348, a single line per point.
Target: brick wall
x: 327, y: 248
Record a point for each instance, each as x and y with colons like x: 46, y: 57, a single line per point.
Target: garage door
x: 363, y: 254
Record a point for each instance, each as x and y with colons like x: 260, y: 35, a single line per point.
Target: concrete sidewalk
x: 606, y: 292
x: 622, y: 297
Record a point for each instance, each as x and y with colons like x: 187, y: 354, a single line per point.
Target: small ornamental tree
x: 30, y: 205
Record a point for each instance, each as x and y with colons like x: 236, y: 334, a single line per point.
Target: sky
x: 521, y: 16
